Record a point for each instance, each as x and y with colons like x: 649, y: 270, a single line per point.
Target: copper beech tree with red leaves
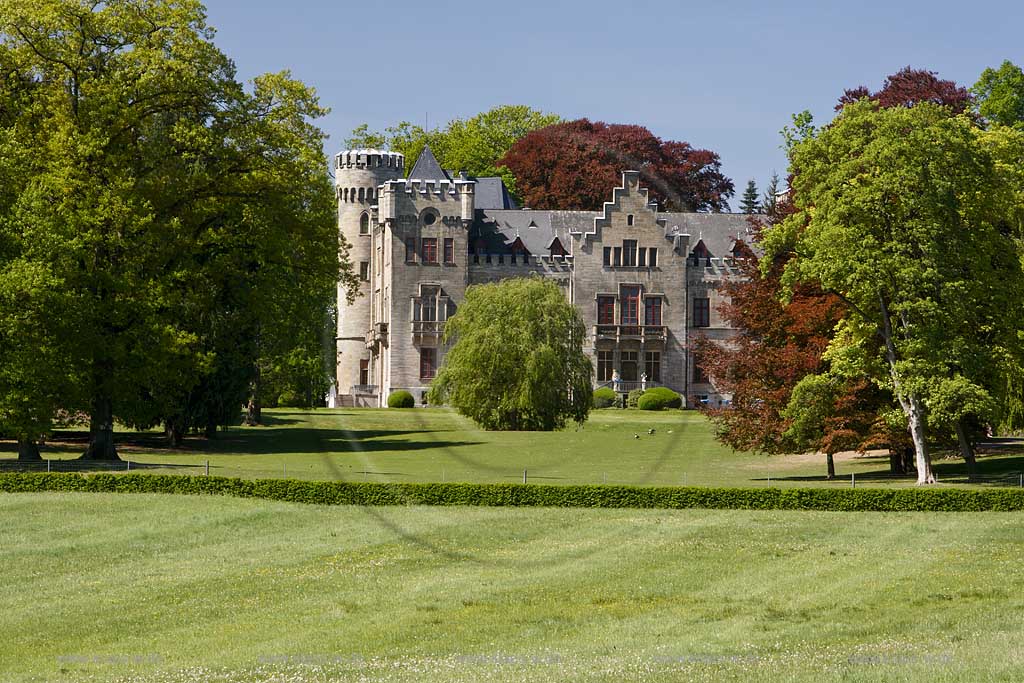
x: 777, y: 345
x: 571, y: 165
x: 908, y: 86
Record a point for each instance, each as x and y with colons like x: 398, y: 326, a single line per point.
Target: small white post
x: 524, y: 476
x: 47, y: 464
x: 853, y: 480
x: 207, y: 468
x: 285, y: 466
x: 128, y: 466
x: 769, y: 480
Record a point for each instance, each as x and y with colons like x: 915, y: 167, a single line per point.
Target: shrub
x: 605, y: 398
x: 527, y: 495
x: 659, y: 398
x: 633, y: 398
x: 401, y: 399
x: 290, y: 399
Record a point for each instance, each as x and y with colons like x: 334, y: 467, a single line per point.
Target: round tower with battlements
x: 358, y: 175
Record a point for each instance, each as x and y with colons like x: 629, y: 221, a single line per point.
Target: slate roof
x: 427, y: 168
x: 491, y: 193
x: 537, y: 229
x: 719, y: 231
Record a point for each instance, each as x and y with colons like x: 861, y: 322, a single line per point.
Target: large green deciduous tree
x: 999, y: 94
x: 903, y: 213
x: 517, y: 360
x: 168, y: 213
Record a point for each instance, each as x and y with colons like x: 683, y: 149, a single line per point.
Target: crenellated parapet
x: 369, y: 159
x: 396, y: 193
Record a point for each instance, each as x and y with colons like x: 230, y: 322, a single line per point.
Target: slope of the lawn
x: 107, y: 587
x: 427, y: 445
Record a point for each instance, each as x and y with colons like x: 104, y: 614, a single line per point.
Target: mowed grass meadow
x: 429, y: 445
x: 173, y: 589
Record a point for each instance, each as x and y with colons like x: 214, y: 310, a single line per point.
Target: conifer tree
x: 771, y: 195
x: 749, y: 203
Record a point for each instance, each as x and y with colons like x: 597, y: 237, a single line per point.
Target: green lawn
x: 169, y: 589
x: 440, y: 445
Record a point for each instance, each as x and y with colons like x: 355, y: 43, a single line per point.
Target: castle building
x: 645, y: 282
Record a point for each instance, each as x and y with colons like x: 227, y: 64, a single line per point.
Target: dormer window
x: 700, y: 253
x: 519, y: 252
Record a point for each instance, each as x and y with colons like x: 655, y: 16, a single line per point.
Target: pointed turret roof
x: 427, y: 168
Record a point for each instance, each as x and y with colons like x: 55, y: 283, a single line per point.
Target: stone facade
x: 645, y: 282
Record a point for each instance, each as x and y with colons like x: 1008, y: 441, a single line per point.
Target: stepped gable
x: 427, y: 168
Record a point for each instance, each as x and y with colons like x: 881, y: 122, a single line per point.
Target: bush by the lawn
x: 289, y: 399
x: 659, y: 398
x: 605, y: 398
x: 401, y: 399
x: 528, y: 495
x: 633, y: 398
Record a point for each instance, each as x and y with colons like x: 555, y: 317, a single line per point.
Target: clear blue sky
x: 723, y: 75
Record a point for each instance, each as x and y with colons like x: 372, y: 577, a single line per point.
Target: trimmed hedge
x: 527, y: 495
x: 659, y: 398
x: 633, y: 397
x: 605, y: 398
x: 401, y: 399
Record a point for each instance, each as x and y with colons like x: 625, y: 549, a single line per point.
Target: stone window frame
x: 428, y: 362
x: 605, y: 362
x: 702, y: 312
x: 652, y: 297
x: 428, y: 251
x: 623, y: 299
x: 609, y: 298
x: 652, y: 365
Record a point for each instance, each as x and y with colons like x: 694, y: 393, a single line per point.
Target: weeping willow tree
x: 516, y: 361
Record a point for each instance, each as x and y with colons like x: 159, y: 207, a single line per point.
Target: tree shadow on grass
x: 996, y: 467
x: 252, y: 441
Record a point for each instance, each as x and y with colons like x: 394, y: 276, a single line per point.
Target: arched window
x: 364, y: 224
x: 369, y: 194
x: 346, y: 194
x: 361, y: 194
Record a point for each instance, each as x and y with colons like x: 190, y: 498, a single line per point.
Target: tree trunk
x: 897, y: 461
x: 101, y: 431
x: 28, y: 450
x: 922, y: 458
x: 211, y: 429
x: 253, y: 413
x: 911, y: 404
x: 967, y: 450
x: 254, y: 410
x: 175, y: 434
x: 831, y: 465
